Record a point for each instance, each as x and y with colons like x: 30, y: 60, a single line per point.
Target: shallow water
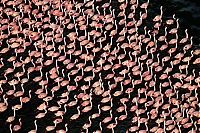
x: 188, y: 11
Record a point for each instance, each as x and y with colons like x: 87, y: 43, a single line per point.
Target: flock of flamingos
x: 96, y: 66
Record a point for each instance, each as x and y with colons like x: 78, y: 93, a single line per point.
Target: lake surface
x: 188, y: 11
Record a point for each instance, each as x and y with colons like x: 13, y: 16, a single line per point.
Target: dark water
x: 188, y: 11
